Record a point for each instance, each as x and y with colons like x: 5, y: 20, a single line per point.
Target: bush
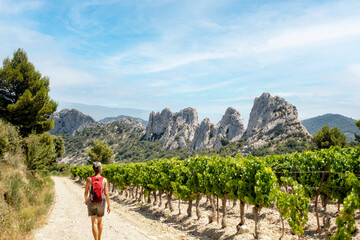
x: 100, y: 152
x: 42, y: 151
x: 9, y: 138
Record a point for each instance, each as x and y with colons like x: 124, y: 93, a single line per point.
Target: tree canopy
x: 357, y: 137
x: 326, y: 137
x: 24, y: 95
x: 100, y: 152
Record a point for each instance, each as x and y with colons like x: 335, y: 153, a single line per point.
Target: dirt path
x: 69, y: 220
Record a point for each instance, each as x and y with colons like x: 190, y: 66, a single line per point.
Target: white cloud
x: 64, y: 76
x: 312, y: 35
x: 154, y: 59
x: 187, y: 44
x: 13, y: 36
x: 354, y: 69
x: 298, y: 35
x: 191, y: 88
x: 46, y: 54
x: 9, y: 7
x: 347, y: 79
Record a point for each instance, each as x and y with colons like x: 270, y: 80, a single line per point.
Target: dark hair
x: 97, y: 167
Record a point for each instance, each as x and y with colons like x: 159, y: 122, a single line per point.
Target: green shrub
x: 42, y: 151
x: 9, y: 138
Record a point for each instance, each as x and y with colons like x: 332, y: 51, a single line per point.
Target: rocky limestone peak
x: 272, y: 118
x: 70, y: 121
x: 208, y: 135
x: 158, y: 123
x: 134, y: 124
x: 231, y: 125
x: 181, y: 129
x: 173, y: 129
x: 205, y: 136
x: 187, y: 116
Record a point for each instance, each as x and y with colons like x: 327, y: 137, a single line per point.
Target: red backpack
x: 97, y: 189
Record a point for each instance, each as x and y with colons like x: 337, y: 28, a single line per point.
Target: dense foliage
x: 253, y: 180
x: 42, y: 151
x: 357, y: 137
x: 346, y: 221
x: 281, y: 147
x: 100, y: 152
x: 24, y: 95
x: 326, y: 137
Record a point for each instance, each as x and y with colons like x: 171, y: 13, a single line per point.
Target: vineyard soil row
x: 270, y: 224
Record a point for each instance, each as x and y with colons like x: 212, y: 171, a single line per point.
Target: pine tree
x: 357, y: 137
x: 326, y: 137
x: 100, y: 152
x: 24, y: 95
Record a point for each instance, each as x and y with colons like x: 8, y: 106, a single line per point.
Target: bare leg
x: 94, y: 227
x: 99, y: 225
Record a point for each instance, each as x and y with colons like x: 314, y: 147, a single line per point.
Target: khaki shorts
x: 96, y: 209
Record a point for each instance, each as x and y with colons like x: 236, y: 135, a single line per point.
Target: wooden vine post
x: 316, y: 201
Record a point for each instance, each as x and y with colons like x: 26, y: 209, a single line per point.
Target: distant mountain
x: 100, y: 112
x: 345, y: 124
x: 109, y: 119
x: 273, y: 125
x: 70, y: 121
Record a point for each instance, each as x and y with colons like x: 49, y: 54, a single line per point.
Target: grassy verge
x: 24, y: 202
x: 25, y: 196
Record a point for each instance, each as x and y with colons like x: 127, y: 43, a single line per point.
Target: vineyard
x: 288, y: 183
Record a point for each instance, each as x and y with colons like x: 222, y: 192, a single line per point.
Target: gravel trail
x: 69, y: 220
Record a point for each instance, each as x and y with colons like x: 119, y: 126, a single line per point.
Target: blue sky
x: 205, y: 54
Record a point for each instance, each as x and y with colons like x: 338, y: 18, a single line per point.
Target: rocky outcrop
x: 182, y: 129
x: 205, y: 136
x: 133, y: 124
x: 111, y: 119
x: 173, y: 129
x: 231, y: 127
x: 272, y: 118
x: 158, y: 123
x: 70, y: 121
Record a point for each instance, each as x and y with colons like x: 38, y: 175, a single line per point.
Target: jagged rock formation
x: 158, y: 123
x: 70, y: 121
x: 173, y: 129
x: 182, y: 129
x: 231, y: 125
x: 133, y: 124
x: 272, y: 118
x: 205, y: 136
x: 208, y: 135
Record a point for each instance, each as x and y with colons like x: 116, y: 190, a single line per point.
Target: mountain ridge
x: 100, y: 112
x: 273, y: 121
x: 109, y: 119
x: 345, y: 124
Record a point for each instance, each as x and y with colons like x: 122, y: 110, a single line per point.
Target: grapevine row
x: 287, y: 181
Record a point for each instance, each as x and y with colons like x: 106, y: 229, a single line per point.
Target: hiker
x: 95, y: 201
